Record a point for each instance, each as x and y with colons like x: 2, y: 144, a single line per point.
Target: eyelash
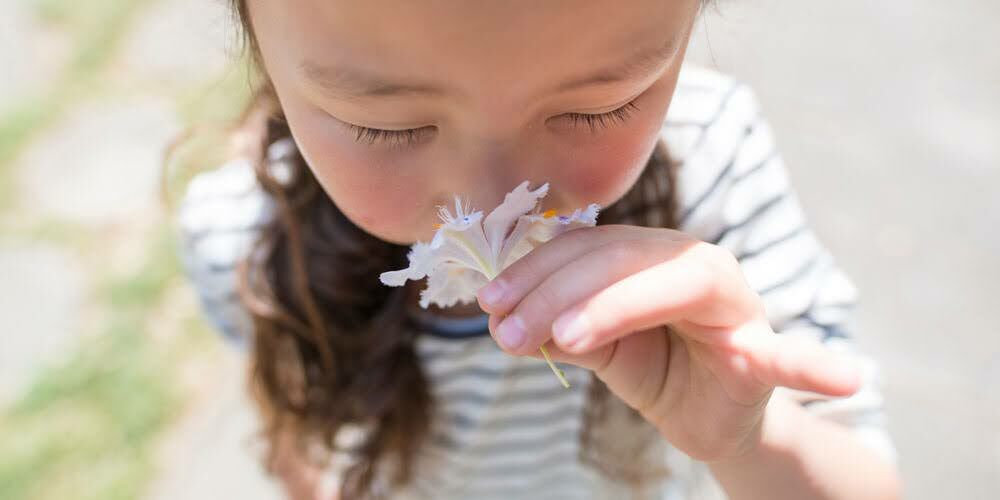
x: 602, y: 120
x: 408, y: 137
x: 391, y: 137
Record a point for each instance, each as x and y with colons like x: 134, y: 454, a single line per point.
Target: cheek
x: 380, y: 196
x: 603, y: 172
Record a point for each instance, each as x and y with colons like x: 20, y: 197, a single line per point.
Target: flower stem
x: 559, y: 373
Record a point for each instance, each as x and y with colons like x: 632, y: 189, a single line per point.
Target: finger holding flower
x: 666, y: 321
x: 604, y: 297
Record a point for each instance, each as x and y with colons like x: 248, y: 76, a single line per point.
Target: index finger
x: 520, y: 277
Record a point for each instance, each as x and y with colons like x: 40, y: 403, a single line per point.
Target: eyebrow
x: 346, y: 82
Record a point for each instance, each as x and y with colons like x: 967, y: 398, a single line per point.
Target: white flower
x: 467, y: 251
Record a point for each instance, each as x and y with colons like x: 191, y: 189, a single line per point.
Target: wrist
x: 802, y: 456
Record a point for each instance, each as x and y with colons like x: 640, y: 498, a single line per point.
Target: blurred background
x: 112, y: 386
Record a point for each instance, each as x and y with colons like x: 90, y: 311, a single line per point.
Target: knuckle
x: 518, y: 273
x: 545, y: 298
x: 509, y: 276
x: 620, y: 251
x: 714, y: 266
x: 706, y: 276
x: 719, y: 256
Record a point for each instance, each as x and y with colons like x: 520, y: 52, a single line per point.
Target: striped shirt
x: 504, y: 425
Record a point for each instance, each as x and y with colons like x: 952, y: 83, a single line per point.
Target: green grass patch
x: 144, y: 289
x: 95, y: 28
x: 55, y: 231
x: 76, y: 17
x: 86, y: 428
x: 18, y: 126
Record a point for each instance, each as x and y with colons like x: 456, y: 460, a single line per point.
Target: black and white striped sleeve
x: 735, y: 192
x: 217, y: 221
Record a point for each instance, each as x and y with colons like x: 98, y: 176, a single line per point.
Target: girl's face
x: 397, y: 106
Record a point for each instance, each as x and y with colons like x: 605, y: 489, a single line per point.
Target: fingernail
x: 492, y: 293
x: 570, y: 327
x: 511, y: 332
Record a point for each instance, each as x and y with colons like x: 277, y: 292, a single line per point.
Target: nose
x: 495, y: 165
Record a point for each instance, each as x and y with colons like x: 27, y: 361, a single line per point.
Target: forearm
x: 803, y: 456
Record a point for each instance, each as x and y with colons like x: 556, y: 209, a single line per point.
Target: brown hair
x: 333, y: 347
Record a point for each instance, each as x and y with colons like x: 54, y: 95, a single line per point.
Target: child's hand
x: 606, y: 294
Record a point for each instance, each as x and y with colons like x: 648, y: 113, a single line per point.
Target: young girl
x: 699, y: 323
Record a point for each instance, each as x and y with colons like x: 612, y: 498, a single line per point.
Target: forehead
x: 459, y: 39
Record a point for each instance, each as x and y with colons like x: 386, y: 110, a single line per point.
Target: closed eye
x: 392, y: 138
x: 606, y: 119
x: 409, y: 137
